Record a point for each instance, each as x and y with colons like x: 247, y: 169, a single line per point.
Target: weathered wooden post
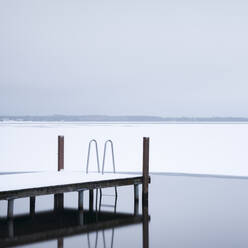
x: 60, y: 153
x: 145, y: 185
x: 145, y: 170
x: 59, y: 198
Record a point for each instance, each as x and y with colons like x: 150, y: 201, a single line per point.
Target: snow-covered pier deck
x: 14, y: 186
x: 43, y: 183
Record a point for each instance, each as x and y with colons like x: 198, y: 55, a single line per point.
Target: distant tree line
x: 105, y: 118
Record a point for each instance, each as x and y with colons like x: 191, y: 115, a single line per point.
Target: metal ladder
x: 98, y: 170
x: 113, y: 164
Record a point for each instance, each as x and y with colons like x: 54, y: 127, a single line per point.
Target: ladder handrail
x: 96, y: 240
x: 104, y: 155
x: 97, y: 155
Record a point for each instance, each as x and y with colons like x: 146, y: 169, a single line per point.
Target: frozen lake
x: 205, y: 148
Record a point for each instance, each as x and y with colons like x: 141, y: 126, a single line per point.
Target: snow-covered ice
x: 206, y: 148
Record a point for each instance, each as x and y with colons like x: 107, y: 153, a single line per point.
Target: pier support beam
x: 145, y: 170
x: 58, y: 201
x: 136, y: 192
x: 91, y: 199
x: 10, y: 213
x: 32, y: 205
x: 60, y: 243
x: 81, y: 200
x: 59, y: 198
x: 136, y: 199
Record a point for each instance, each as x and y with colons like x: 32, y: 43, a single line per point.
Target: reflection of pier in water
x: 49, y: 225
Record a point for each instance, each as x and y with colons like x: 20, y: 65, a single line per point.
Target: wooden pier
x: 31, y: 185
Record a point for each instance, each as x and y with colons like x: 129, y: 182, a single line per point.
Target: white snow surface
x: 205, y: 148
x: 46, y: 179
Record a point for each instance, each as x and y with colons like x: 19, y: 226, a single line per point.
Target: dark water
x: 185, y: 211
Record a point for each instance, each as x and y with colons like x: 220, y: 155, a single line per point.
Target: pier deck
x: 43, y: 183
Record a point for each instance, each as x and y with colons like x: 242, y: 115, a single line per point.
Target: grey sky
x: 117, y: 57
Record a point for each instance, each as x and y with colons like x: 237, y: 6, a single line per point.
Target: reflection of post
x: 10, y: 217
x: 145, y: 225
x: 11, y: 228
x: 60, y: 243
x: 145, y: 170
x: 81, y: 217
x: 59, y: 198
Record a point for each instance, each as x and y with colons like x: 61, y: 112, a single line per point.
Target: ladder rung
x: 108, y: 205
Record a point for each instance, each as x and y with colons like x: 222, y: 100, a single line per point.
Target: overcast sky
x: 124, y: 57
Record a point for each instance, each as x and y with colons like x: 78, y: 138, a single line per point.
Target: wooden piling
x: 145, y: 169
x: 145, y: 184
x: 32, y: 205
x: 91, y: 199
x: 81, y: 200
x: 59, y: 198
x: 136, y: 192
x: 136, y: 199
x: 60, y: 243
x: 10, y: 208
